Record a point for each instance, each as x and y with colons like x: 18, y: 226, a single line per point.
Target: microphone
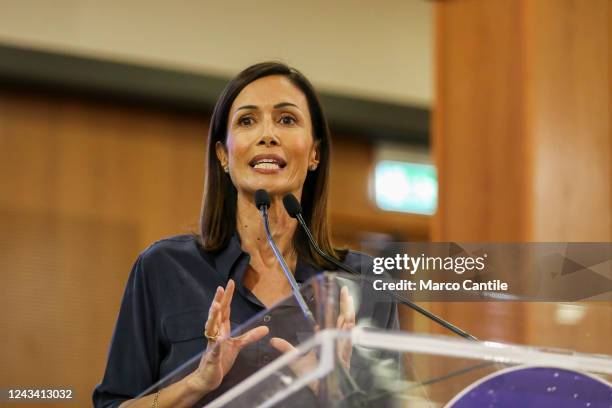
x: 262, y: 202
x: 294, y: 209
x: 262, y: 199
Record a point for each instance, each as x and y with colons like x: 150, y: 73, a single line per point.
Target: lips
x: 267, y: 162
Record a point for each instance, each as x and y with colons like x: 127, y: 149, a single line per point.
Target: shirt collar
x: 227, y: 257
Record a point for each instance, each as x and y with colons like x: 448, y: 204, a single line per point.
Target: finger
x: 227, y: 300
x: 211, y: 328
x: 351, y: 310
x: 212, y: 311
x: 210, y: 320
x: 347, y: 306
x: 281, y: 345
x: 251, y: 336
x: 344, y: 292
x: 218, y: 294
x: 346, y: 317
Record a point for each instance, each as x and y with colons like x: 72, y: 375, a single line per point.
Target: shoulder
x: 175, y: 243
x: 173, y: 250
x: 360, y: 261
x: 173, y: 260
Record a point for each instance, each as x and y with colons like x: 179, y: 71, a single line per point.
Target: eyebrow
x: 277, y: 106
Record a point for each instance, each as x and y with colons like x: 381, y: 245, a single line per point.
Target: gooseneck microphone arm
x: 262, y: 202
x: 294, y: 209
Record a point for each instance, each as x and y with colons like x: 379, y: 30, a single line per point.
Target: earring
x: 226, y: 169
x: 312, y: 167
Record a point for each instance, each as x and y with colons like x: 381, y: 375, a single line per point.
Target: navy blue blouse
x: 165, y: 306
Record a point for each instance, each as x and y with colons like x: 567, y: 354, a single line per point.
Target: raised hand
x: 222, y: 350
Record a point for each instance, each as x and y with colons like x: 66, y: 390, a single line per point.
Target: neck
x: 250, y: 227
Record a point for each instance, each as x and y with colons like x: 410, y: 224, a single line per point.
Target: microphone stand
x: 294, y: 285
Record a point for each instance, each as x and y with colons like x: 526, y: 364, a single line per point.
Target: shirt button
x: 267, y: 318
x: 266, y: 359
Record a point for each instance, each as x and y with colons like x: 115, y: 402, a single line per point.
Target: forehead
x: 270, y: 90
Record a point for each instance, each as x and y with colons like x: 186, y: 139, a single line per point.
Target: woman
x: 267, y: 132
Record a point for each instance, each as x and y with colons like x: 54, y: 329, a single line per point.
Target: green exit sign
x: 406, y: 187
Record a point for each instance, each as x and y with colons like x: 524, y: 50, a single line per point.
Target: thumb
x: 281, y: 345
x: 252, y: 336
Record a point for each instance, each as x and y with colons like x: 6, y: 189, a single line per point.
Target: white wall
x: 379, y: 50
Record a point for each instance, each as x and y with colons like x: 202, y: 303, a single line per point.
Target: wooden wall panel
x: 521, y: 122
x: 478, y: 127
x: 522, y: 143
x: 568, y: 95
x: 70, y: 156
x: 85, y: 187
x: 61, y: 279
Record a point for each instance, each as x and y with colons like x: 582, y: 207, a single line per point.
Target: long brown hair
x: 218, y: 216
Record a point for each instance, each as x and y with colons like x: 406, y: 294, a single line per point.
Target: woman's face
x: 269, y: 142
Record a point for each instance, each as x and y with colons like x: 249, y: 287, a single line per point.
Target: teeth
x: 267, y: 165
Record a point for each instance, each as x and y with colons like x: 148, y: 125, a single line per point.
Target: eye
x: 245, y: 121
x: 287, y: 119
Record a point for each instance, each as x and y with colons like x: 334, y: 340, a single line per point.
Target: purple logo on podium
x: 535, y: 387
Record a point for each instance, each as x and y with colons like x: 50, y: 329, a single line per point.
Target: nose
x: 268, y: 137
x: 268, y: 140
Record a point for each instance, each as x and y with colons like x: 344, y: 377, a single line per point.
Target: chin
x: 273, y: 188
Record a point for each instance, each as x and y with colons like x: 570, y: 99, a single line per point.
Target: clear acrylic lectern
x: 375, y: 364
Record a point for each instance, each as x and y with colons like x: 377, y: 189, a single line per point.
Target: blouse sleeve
x: 133, y: 359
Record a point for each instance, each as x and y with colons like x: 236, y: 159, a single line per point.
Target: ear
x: 315, y: 155
x: 221, y: 152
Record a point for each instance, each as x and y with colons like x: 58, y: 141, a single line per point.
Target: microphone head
x: 292, y: 205
x: 262, y: 199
